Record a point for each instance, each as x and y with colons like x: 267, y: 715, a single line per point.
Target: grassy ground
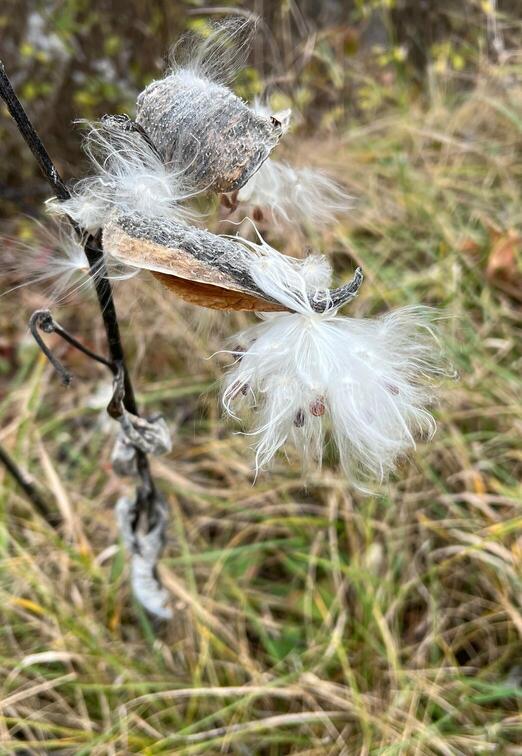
x: 310, y: 621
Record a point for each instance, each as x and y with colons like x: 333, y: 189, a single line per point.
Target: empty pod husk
x: 206, y: 269
x: 196, y: 121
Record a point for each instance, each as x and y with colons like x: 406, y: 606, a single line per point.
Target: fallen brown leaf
x: 503, y: 266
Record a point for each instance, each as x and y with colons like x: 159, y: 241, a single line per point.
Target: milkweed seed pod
x: 208, y: 270
x: 304, y: 370
x: 196, y: 121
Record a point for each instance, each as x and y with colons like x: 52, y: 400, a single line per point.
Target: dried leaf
x: 123, y: 457
x: 503, y: 268
x: 151, y: 435
x: 145, y: 549
x: 505, y: 252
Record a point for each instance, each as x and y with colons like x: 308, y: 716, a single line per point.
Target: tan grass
x: 307, y: 620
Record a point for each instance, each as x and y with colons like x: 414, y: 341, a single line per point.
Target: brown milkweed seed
x: 299, y: 419
x: 317, y: 407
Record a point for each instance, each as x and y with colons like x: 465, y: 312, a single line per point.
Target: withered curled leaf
x: 144, y: 549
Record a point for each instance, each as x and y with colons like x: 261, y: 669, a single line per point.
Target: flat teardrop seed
x: 299, y: 419
x: 317, y: 407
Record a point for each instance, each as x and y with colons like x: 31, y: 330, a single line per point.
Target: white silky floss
x: 294, y: 196
x: 56, y: 260
x: 298, y: 374
x: 128, y: 176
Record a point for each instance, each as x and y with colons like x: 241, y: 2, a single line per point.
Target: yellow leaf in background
x: 400, y: 53
x: 479, y: 485
x: 458, y: 62
x: 28, y: 604
x: 27, y: 50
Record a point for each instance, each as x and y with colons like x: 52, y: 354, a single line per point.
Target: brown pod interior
x: 198, y: 266
x: 215, y: 297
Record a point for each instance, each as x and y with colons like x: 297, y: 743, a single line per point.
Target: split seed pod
x: 197, y: 122
x: 208, y: 270
x: 303, y: 368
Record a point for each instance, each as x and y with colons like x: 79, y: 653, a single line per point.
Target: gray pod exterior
x: 218, y: 140
x: 202, y: 268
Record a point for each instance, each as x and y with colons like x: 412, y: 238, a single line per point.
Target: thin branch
x: 29, y: 489
x: 94, y: 252
x: 43, y: 320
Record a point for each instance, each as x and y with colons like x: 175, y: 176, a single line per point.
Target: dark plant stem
x: 28, y: 488
x: 43, y: 320
x: 94, y: 253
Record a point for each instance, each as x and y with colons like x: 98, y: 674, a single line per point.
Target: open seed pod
x: 209, y: 270
x: 196, y: 121
x: 205, y: 127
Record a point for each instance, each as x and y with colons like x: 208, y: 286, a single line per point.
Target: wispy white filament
x: 127, y: 175
x: 302, y: 376
x: 299, y: 196
x: 220, y: 54
x: 54, y: 259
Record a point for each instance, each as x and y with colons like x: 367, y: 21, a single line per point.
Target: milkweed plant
x: 304, y: 373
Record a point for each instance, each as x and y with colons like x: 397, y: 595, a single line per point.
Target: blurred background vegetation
x: 309, y: 620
